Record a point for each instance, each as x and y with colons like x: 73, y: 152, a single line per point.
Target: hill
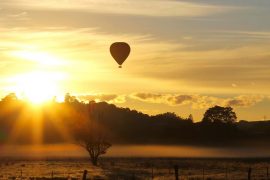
x: 54, y: 123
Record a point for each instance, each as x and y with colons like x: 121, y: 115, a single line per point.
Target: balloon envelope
x: 120, y: 52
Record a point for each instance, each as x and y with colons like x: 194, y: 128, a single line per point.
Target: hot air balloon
x: 120, y: 52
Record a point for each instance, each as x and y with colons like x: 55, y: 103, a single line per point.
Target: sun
x: 37, y: 87
x: 41, y: 84
x: 39, y: 90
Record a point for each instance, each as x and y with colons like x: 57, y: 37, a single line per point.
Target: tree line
x: 97, y: 125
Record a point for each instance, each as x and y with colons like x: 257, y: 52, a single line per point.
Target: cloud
x: 110, y: 98
x: 180, y: 99
x: 87, y: 49
x: 244, y: 100
x: 21, y: 14
x: 149, y: 97
x: 153, y: 63
x: 13, y: 17
x: 248, y: 34
x: 51, y: 43
x: 165, y: 8
x: 198, y: 101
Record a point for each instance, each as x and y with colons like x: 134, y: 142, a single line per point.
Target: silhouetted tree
x: 10, y: 97
x: 95, y: 144
x: 169, y: 116
x: 70, y: 99
x: 220, y: 114
x: 190, y: 118
x: 92, y: 137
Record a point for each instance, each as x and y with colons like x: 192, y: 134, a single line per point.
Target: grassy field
x: 135, y: 168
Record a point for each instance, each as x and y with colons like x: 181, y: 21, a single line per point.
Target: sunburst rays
x: 35, y: 124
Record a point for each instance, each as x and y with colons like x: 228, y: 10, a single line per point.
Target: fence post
x: 203, y: 173
x: 176, y: 168
x: 267, y: 173
x: 84, y: 174
x: 152, y: 172
x: 249, y: 173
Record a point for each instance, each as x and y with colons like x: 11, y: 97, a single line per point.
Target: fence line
x: 152, y: 172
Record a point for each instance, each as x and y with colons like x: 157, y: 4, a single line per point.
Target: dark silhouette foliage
x: 220, y: 114
x: 101, y: 124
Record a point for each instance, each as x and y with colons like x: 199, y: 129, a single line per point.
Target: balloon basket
x: 119, y: 66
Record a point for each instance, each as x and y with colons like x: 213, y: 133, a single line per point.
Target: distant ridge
x: 123, y: 125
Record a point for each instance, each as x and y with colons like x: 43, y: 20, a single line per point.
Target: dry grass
x: 135, y: 168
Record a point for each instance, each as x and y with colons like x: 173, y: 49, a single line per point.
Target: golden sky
x: 186, y: 55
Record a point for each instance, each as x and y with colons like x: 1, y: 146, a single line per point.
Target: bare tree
x: 92, y: 137
x: 95, y: 143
